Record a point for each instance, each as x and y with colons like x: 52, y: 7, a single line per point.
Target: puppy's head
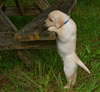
x: 56, y: 19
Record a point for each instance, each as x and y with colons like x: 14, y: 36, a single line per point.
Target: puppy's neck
x: 67, y: 19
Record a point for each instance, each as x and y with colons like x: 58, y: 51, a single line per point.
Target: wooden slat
x: 34, y: 45
x: 42, y: 4
x: 7, y: 42
x: 20, y: 6
x: 28, y: 11
x: 1, y: 3
x: 5, y: 24
x: 32, y: 36
x: 24, y: 37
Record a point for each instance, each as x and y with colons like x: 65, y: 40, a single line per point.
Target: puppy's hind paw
x: 66, y: 87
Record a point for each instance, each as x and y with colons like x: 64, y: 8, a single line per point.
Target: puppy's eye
x: 50, y: 19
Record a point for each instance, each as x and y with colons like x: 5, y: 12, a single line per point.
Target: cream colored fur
x: 66, y: 44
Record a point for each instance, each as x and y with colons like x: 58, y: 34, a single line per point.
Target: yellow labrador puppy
x: 65, y: 28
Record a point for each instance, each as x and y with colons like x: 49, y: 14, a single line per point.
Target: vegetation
x: 46, y: 73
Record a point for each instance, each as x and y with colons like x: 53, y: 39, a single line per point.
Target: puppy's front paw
x: 52, y: 29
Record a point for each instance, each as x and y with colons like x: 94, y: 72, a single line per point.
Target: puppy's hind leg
x: 69, y: 84
x: 71, y: 80
x: 74, y: 78
x: 70, y: 69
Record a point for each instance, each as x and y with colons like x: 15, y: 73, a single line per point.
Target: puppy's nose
x: 44, y: 22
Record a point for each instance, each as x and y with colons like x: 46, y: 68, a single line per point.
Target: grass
x: 47, y: 74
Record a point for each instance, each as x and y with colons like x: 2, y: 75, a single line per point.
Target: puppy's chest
x: 66, y: 44
x: 63, y: 48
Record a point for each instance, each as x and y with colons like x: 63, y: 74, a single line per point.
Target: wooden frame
x: 33, y: 34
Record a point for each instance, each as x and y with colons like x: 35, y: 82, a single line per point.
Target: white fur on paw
x: 51, y: 29
x: 66, y: 87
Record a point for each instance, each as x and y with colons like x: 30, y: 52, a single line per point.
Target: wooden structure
x: 33, y: 34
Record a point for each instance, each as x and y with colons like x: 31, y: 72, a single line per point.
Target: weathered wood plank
x: 20, y: 6
x: 42, y: 4
x: 7, y: 42
x: 34, y: 45
x: 33, y: 36
x: 5, y: 24
x: 28, y: 11
x: 1, y: 3
x: 24, y: 37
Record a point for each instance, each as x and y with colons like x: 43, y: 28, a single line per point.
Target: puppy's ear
x: 59, y: 22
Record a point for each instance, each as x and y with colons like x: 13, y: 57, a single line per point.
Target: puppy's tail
x: 80, y: 63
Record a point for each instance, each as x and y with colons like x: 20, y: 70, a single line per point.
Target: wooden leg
x: 26, y: 57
